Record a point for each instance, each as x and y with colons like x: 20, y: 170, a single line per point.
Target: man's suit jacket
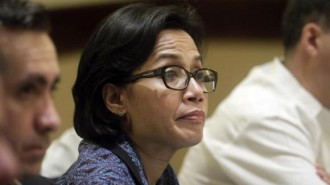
x: 37, y: 180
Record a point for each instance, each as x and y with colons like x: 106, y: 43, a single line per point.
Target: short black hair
x: 300, y: 12
x: 121, y: 44
x: 22, y: 15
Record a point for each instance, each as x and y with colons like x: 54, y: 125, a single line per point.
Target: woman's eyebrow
x: 173, y: 56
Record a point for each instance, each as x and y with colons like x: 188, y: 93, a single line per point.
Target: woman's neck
x: 154, y: 166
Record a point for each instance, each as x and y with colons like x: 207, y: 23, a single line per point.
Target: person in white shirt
x: 61, y: 154
x: 273, y: 129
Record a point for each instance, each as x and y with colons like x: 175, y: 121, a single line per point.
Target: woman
x: 140, y: 96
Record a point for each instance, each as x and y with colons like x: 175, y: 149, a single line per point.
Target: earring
x: 122, y: 113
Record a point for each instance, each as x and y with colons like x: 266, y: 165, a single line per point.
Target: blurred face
x: 161, y: 118
x: 7, y: 160
x: 323, y: 72
x: 29, y: 80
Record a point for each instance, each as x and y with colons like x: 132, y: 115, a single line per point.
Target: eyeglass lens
x: 178, y: 78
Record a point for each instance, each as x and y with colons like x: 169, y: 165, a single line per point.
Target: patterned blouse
x: 98, y: 165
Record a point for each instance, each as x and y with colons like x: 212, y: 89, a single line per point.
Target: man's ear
x: 311, y: 37
x: 112, y: 98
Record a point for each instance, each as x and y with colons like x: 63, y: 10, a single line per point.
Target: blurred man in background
x: 29, y: 79
x: 8, y: 166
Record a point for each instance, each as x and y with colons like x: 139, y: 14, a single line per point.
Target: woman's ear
x: 310, y: 38
x: 112, y: 99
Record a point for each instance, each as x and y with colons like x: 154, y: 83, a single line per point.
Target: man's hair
x: 300, y: 12
x: 22, y: 15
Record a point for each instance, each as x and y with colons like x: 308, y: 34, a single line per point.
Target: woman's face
x: 159, y: 117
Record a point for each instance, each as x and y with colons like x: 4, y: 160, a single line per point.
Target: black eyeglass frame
x: 161, y: 72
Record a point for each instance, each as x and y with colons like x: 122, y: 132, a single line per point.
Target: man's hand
x: 323, y: 174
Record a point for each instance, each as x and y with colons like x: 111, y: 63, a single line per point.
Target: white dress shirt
x: 268, y: 131
x: 61, y: 154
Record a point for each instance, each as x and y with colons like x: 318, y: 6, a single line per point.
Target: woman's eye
x: 171, y: 75
x: 200, y: 77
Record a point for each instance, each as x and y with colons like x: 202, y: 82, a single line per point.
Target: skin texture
x: 167, y: 120
x: 30, y: 78
x: 8, y: 166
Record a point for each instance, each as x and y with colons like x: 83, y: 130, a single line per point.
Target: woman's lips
x: 194, y: 115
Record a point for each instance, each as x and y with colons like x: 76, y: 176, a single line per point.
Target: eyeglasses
x: 177, y: 78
